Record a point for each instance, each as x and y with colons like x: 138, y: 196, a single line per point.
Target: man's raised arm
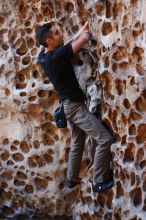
x: 80, y: 42
x: 80, y: 39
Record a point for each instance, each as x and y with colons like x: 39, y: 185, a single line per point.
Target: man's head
x: 50, y: 35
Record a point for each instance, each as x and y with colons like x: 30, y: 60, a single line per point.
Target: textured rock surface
x: 33, y: 152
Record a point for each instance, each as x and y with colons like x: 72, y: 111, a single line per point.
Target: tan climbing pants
x: 82, y: 121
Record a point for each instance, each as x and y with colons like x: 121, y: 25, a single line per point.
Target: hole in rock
x: 115, y: 67
x: 22, y: 11
x: 136, y: 33
x: 18, y: 157
x: 141, y: 136
x: 124, y: 119
x: 30, y: 42
x: 140, y: 69
x: 126, y: 103
x: 106, y: 62
x: 69, y: 7
x: 24, y: 147
x: 136, y: 196
x: 138, y: 52
x: 28, y: 30
x: 2, y: 19
x: 135, y: 116
x: 20, y: 85
x: 19, y: 183
x: 27, y: 23
x: 120, y: 53
x: 34, y: 51
x: 17, y: 58
x: 106, y: 28
x: 124, y: 65
x: 117, y: 8
x: 139, y: 155
x: 107, y: 77
x: 109, y: 200
x: 5, y: 155
x: 132, y: 81
x: 13, y: 148
x: 19, y: 42
x: 35, y: 108
x: 62, y: 185
x: 21, y: 77
x: 26, y: 60
x: 5, y: 46
x: 124, y: 139
x: 29, y: 188
x: 41, y: 184
x: 21, y: 175
x: 32, y: 98
x: 134, y: 1
x: 7, y: 211
x: 132, y: 129
x: 113, y: 116
x: 109, y: 12
x: 23, y: 94
x: 36, y: 144
x: 141, y: 104
x: 120, y: 190
x: 10, y: 162
x: 22, y: 32
x: 129, y: 152
x: 144, y: 185
x: 143, y: 164
x: 117, y: 138
x: 100, y: 8
x: 120, y: 86
x: 32, y: 162
x: 7, y: 92
x: 35, y: 74
x: 137, y: 24
x: 48, y: 140
x: 144, y: 93
x: 33, y: 84
x: 125, y: 20
x: 6, y: 141
x: 21, y: 47
x: 47, y: 81
x: 117, y: 216
x: 43, y: 94
x: 132, y: 177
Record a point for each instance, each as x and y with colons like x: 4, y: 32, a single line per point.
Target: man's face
x: 57, y: 36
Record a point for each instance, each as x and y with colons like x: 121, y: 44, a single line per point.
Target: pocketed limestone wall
x: 33, y: 152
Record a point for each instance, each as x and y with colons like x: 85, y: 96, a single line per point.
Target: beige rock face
x: 33, y: 152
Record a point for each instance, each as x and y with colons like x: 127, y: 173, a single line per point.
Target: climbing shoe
x: 100, y: 187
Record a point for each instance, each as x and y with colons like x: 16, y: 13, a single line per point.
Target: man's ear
x: 49, y: 41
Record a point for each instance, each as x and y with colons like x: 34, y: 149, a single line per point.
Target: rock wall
x: 33, y: 152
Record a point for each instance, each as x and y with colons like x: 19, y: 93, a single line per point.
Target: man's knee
x: 108, y: 140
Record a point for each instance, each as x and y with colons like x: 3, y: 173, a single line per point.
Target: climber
x: 55, y: 59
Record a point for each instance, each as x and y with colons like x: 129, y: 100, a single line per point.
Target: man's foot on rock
x: 100, y: 187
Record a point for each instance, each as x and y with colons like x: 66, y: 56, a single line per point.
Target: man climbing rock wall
x: 33, y: 152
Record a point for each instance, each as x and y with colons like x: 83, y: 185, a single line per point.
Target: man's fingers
x: 86, y: 26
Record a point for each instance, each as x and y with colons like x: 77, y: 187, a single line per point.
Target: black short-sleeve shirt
x: 58, y: 67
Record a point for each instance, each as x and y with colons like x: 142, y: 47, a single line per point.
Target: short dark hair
x: 43, y: 32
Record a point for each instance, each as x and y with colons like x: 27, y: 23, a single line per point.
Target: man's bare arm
x: 79, y: 33
x: 80, y: 42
